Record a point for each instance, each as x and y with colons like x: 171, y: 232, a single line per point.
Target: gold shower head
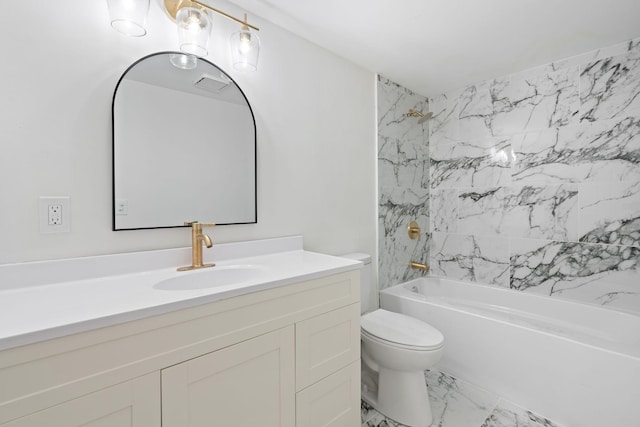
x: 423, y: 117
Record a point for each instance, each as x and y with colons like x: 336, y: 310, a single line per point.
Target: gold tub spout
x: 419, y: 266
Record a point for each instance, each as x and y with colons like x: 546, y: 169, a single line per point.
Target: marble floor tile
x: 507, y: 414
x: 456, y: 403
x: 369, y: 417
x: 366, y: 412
x: 379, y: 420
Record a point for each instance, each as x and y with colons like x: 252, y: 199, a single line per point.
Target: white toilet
x: 395, y: 350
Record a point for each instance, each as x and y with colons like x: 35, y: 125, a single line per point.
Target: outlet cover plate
x: 122, y: 207
x: 60, y: 208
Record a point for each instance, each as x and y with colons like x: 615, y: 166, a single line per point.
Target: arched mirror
x: 184, y: 146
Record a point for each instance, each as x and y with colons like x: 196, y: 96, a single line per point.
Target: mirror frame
x: 113, y: 150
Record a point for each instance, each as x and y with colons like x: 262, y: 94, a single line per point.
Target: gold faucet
x: 197, y: 239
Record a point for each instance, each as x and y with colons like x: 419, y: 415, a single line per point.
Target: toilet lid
x: 400, y: 329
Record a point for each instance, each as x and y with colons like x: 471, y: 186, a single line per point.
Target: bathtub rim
x: 401, y: 291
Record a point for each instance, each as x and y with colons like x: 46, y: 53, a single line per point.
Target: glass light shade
x: 245, y: 48
x: 129, y: 16
x: 194, y: 27
x: 183, y: 61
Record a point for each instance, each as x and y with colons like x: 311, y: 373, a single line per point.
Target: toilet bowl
x: 395, y: 351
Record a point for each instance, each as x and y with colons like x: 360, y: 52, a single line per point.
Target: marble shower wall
x: 403, y: 182
x: 535, y: 180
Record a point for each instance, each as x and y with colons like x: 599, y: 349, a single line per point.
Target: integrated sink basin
x: 211, y: 277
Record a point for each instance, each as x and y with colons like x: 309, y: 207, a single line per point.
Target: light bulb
x: 245, y: 42
x: 193, y: 24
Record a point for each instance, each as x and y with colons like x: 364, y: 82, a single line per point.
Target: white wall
x: 315, y: 119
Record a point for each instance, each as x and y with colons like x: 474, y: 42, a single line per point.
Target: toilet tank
x: 366, y: 291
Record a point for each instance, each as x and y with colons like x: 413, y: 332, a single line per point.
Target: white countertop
x: 33, y: 309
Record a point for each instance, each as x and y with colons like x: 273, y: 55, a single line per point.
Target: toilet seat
x: 398, y: 330
x: 398, y: 346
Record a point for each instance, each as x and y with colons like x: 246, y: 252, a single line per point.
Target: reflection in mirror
x: 184, y: 147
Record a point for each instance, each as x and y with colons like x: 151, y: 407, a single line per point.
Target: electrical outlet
x: 55, y: 214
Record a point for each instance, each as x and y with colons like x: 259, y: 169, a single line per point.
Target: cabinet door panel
x: 326, y: 343
x: 247, y: 384
x: 135, y: 403
x: 331, y: 402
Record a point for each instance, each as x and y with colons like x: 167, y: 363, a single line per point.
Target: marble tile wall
x: 403, y: 182
x: 535, y: 180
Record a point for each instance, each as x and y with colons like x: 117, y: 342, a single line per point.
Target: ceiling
x: 431, y: 47
x: 157, y: 70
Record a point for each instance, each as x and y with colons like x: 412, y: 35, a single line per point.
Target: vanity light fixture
x: 245, y: 48
x: 192, y: 15
x: 129, y: 16
x: 194, y: 27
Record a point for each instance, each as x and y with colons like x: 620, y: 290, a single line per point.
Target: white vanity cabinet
x: 247, y: 384
x: 328, y: 369
x: 287, y: 356
x: 331, y: 402
x: 132, y: 403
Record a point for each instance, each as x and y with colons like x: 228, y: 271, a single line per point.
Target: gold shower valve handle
x: 413, y: 230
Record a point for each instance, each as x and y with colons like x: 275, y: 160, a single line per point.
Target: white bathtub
x: 576, y: 364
